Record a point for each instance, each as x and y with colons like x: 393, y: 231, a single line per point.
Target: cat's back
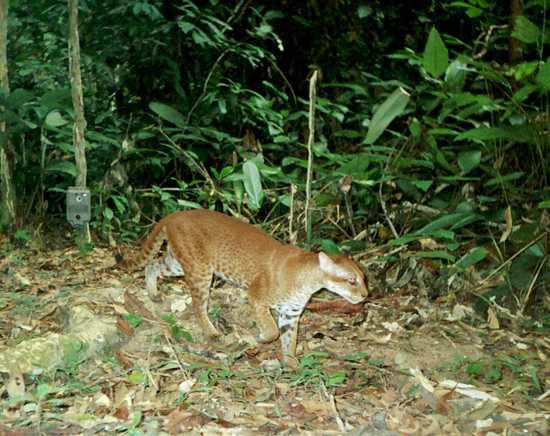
x: 220, y: 230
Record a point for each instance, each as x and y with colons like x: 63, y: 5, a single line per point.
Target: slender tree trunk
x: 79, y: 140
x: 7, y: 194
x: 515, y: 52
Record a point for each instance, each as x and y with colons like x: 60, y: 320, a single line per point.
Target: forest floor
x: 391, y: 368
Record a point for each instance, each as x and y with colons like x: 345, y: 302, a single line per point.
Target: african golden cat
x: 202, y: 244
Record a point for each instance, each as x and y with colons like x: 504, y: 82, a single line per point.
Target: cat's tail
x: 148, y: 251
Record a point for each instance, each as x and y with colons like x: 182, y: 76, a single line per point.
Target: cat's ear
x: 327, y: 265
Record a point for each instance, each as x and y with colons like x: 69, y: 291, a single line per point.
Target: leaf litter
x: 83, y: 350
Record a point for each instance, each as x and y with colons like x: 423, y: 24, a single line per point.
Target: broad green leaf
x: 43, y: 389
x: 471, y: 258
x: 168, y: 113
x: 468, y: 160
x: 188, y: 204
x: 404, y: 240
x: 415, y: 128
x: 471, y: 10
x: 436, y: 254
x: 455, y: 75
x: 444, y: 234
x: 253, y: 184
x: 62, y: 166
x: 468, y: 218
x: 504, y: 179
x: 291, y: 160
x: 55, y: 119
x: 525, y: 70
x: 524, y: 92
x: 423, y: 185
x: 544, y: 204
x: 443, y: 222
x: 525, y: 30
x: 19, y: 97
x: 108, y: 214
x: 57, y: 99
x: 222, y: 106
x: 121, y: 203
x: 436, y: 55
x: 543, y: 76
x: 329, y: 246
x: 391, y: 108
x: 364, y: 11
x: 519, y: 134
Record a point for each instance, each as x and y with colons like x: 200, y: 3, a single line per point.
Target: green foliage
x: 515, y: 366
x: 74, y: 353
x: 310, y: 371
x: 194, y: 104
x: 133, y: 319
x: 393, y: 106
x: 436, y: 55
x: 178, y: 333
x: 22, y: 237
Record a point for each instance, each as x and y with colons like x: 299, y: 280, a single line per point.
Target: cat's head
x: 343, y: 276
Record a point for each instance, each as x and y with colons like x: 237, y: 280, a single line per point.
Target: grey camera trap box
x: 78, y: 206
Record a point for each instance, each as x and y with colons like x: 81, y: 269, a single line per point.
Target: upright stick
x: 311, y: 137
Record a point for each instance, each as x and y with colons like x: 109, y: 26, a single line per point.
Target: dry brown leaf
x: 492, y: 319
x: 509, y: 225
x: 124, y: 326
x: 133, y: 305
x: 429, y: 244
x: 315, y: 406
x: 123, y: 360
x: 180, y: 422
x: 122, y: 413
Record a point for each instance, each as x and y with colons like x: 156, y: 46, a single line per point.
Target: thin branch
x: 509, y: 260
x: 383, y: 204
x: 293, y: 190
x: 311, y: 137
x: 205, y: 85
x: 487, y: 35
x: 532, y: 285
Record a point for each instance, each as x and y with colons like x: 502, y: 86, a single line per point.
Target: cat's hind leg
x: 167, y: 267
x: 198, y: 284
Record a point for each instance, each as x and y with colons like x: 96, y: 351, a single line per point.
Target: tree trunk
x: 7, y: 194
x: 79, y: 128
x: 515, y: 53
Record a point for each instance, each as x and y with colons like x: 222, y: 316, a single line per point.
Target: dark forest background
x: 205, y: 104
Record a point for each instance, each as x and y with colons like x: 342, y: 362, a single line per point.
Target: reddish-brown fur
x: 204, y: 243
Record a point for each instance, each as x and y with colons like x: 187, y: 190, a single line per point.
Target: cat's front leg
x: 288, y: 326
x: 268, y: 330
x: 266, y: 325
